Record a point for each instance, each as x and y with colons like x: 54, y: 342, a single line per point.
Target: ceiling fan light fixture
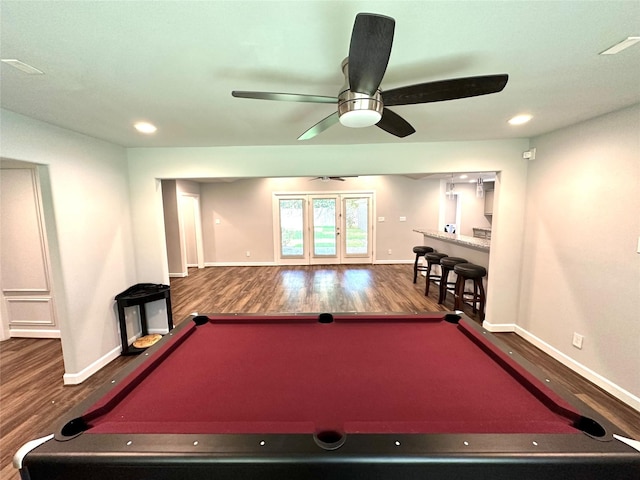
x: 360, y: 118
x: 358, y: 110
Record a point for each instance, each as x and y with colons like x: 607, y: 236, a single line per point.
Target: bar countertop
x: 464, y: 240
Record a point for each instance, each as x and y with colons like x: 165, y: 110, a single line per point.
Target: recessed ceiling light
x: 463, y: 176
x: 520, y: 119
x: 23, y: 67
x: 145, y: 127
x: 618, y: 47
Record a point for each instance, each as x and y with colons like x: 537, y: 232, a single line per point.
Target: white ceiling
x: 108, y: 64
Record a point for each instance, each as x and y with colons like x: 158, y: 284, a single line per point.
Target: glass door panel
x: 324, y: 226
x: 357, y: 227
x: 325, y: 229
x: 291, y: 215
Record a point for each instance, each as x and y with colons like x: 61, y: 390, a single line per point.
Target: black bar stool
x: 420, y: 251
x: 470, y: 271
x: 433, y: 258
x: 446, y: 265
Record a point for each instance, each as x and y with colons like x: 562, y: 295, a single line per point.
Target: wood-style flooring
x: 32, y: 395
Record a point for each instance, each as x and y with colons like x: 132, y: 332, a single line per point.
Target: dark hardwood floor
x: 339, y: 288
x: 32, y: 395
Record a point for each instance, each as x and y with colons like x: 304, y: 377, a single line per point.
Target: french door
x: 324, y: 229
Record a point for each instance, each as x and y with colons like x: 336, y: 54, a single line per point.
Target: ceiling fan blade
x: 369, y: 51
x: 445, y: 90
x: 320, y: 127
x: 284, y: 97
x: 326, y: 179
x: 394, y: 124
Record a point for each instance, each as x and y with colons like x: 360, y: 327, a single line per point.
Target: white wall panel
x: 31, y: 312
x: 24, y: 259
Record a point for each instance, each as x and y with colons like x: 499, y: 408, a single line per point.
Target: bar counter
x: 475, y: 250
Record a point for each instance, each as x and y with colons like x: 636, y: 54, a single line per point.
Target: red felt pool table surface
x: 361, y: 374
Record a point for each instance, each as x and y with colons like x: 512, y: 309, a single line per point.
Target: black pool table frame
x: 299, y: 456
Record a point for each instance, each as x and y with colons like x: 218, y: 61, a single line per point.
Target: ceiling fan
x: 360, y: 101
x: 327, y: 179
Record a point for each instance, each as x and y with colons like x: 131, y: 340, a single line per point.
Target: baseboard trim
x: 499, y: 327
x: 274, y: 264
x: 33, y: 333
x: 595, y: 378
x: 393, y: 262
x: 240, y: 264
x: 178, y: 275
x: 85, y: 373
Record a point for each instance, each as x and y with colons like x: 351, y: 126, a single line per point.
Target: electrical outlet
x: 381, y: 219
x: 248, y: 253
x: 389, y: 252
x: 403, y: 219
x: 577, y: 340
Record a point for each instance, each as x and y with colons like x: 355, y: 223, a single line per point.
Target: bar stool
x: 446, y: 265
x: 420, y: 251
x: 433, y: 258
x: 470, y: 271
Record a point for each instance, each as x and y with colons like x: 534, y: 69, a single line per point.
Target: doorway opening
x: 323, y: 229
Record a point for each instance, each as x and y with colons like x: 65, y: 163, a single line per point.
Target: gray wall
x: 580, y: 267
x: 244, y: 209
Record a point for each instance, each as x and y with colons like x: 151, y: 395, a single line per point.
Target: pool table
x: 336, y: 396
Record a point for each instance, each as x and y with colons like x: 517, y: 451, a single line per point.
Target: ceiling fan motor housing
x: 357, y: 109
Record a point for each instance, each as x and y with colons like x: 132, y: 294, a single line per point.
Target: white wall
x: 89, y: 191
x: 580, y: 269
x: 4, y: 316
x: 172, y: 192
x: 27, y: 287
x: 189, y: 220
x: 471, y: 209
x: 172, y: 229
